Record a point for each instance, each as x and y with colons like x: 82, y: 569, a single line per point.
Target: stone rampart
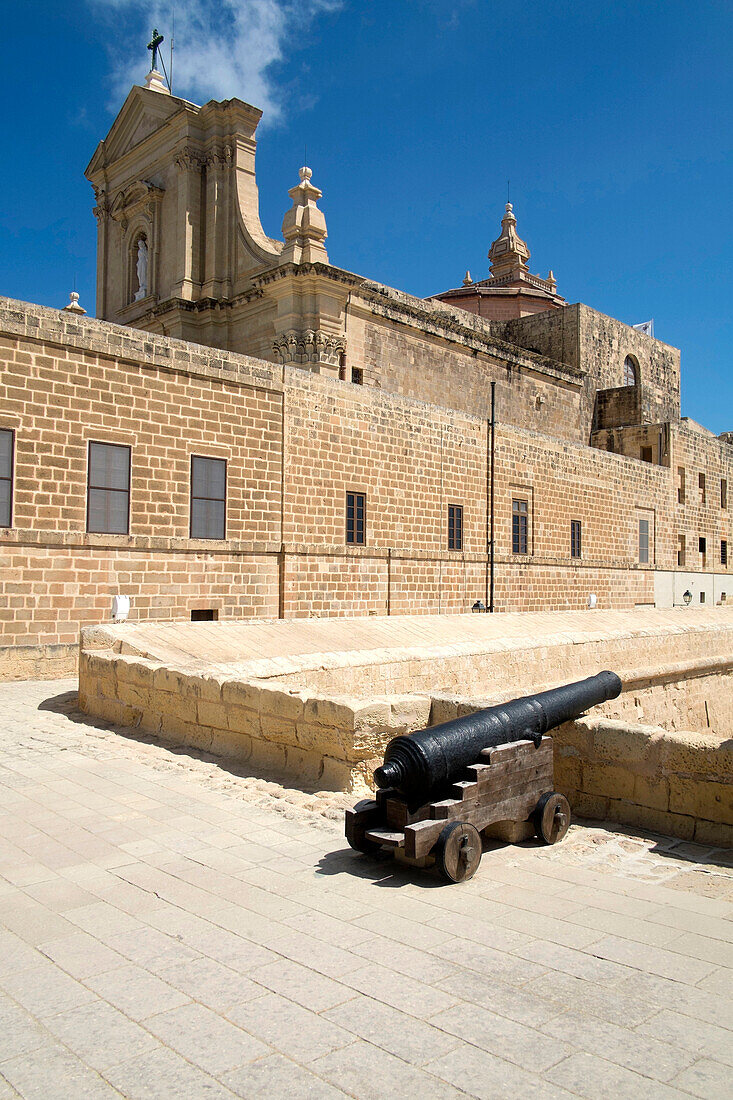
x: 323, y: 719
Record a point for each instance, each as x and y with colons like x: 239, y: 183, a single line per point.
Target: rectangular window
x: 357, y: 376
x: 575, y: 538
x: 455, y: 527
x: 723, y: 493
x: 702, y: 597
x: 520, y: 512
x: 681, y: 549
x: 680, y: 484
x: 205, y: 615
x: 702, y: 545
x: 644, y: 541
x: 108, y: 489
x: 356, y: 519
x: 208, y: 498
x: 723, y: 551
x: 701, y: 483
x: 647, y: 454
x: 6, y: 477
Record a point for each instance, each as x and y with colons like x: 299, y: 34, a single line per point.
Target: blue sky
x: 612, y: 122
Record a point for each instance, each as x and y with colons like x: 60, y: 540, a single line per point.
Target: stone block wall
x: 454, y: 368
x: 702, y: 512
x: 295, y: 443
x: 676, y: 783
x: 320, y: 742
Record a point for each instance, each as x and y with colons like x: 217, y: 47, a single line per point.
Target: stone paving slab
x: 172, y: 928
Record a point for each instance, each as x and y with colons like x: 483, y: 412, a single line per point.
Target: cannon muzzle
x: 422, y: 762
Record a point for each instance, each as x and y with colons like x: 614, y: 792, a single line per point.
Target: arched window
x: 631, y: 371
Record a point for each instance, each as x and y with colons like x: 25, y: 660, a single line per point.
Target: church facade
x: 248, y: 430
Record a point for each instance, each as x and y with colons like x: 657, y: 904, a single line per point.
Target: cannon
x: 439, y: 788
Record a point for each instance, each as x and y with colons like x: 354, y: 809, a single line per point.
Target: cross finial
x: 153, y: 45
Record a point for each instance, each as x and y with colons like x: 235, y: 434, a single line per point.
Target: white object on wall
x: 592, y: 600
x: 120, y: 608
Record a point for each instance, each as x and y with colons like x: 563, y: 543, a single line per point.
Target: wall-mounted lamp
x: 120, y: 608
x: 478, y: 606
x: 687, y: 597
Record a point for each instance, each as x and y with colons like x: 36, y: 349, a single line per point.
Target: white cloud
x: 223, y: 48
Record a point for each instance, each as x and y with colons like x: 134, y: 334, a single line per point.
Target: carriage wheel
x: 551, y: 818
x: 458, y: 851
x: 360, y: 843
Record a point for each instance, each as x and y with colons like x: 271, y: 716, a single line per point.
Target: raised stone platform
x: 318, y: 699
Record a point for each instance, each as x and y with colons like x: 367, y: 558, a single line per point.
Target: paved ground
x: 169, y: 928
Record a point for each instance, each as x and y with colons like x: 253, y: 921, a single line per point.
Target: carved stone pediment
x: 142, y: 113
x: 139, y: 196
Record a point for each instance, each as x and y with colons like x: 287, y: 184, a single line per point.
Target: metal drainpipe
x: 490, y: 600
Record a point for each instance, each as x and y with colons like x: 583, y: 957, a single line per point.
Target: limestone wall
x: 295, y: 443
x: 677, y: 783
x: 318, y: 741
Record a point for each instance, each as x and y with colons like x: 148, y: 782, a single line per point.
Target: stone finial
x: 73, y: 306
x: 154, y: 82
x: 467, y: 280
x: 304, y: 226
x: 551, y: 279
x: 508, y: 253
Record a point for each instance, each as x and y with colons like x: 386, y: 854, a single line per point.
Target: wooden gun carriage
x: 492, y: 766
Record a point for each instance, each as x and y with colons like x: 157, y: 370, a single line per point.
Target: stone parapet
x: 675, y: 782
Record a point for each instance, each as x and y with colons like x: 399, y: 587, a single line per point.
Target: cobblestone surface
x: 169, y: 927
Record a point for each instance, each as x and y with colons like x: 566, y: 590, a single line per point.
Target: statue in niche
x: 142, y: 269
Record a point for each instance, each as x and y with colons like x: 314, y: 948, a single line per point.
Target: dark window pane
x: 5, y: 503
x: 643, y: 540
x: 355, y: 515
x: 208, y: 498
x: 107, y: 512
x: 207, y: 519
x: 519, y: 526
x: 208, y: 477
x: 109, y: 466
x: 6, y: 454
x: 108, y: 502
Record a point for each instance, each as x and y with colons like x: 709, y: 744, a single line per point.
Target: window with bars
x: 455, y: 527
x: 108, y: 489
x: 723, y: 493
x: 701, y: 486
x: 357, y: 376
x: 723, y: 551
x: 7, y: 440
x: 680, y: 485
x: 356, y: 519
x: 520, y: 516
x: 681, y: 549
x: 644, y: 541
x: 575, y: 538
x: 208, y: 497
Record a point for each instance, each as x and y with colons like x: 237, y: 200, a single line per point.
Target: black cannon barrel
x: 421, y: 762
